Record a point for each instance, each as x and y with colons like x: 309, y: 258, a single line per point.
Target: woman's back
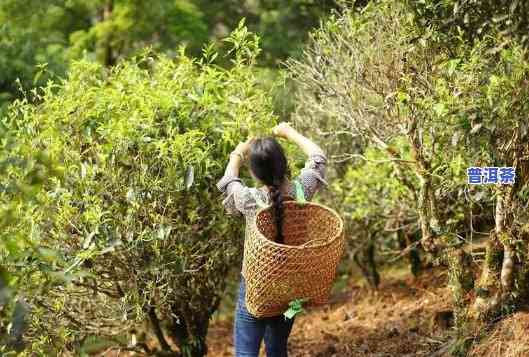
x: 242, y: 199
x: 268, y: 165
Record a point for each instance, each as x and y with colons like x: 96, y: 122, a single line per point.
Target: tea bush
x: 137, y: 219
x: 20, y: 181
x: 432, y: 104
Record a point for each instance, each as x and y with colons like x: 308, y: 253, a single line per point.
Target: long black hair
x: 269, y: 164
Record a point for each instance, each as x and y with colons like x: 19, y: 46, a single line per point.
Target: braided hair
x: 269, y: 164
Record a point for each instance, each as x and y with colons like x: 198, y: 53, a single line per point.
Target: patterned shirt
x: 240, y: 199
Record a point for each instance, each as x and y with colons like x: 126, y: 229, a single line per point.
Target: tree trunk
x: 503, y: 220
x: 488, y: 288
x: 505, y: 274
x: 413, y: 254
x: 103, y: 47
x: 461, y: 282
x: 190, y: 334
x: 158, y: 330
x: 426, y: 203
x: 441, y: 246
x: 365, y: 259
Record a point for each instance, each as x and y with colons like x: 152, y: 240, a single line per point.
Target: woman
x: 268, y: 165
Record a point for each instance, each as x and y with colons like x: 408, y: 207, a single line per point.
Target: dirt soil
x: 508, y: 338
x: 404, y: 317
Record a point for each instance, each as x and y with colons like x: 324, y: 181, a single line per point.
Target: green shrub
x: 137, y: 219
x: 20, y: 181
x: 473, y: 20
x: 377, y: 78
x: 350, y: 90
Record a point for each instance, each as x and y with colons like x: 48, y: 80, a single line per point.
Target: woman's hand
x: 243, y: 148
x: 283, y: 130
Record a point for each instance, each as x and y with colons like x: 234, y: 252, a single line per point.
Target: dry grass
x: 405, y: 317
x: 508, y: 338
x: 397, y: 320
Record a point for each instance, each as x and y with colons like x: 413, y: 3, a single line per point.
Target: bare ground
x: 404, y: 317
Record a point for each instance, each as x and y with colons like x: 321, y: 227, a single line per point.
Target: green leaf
x: 295, y: 307
x: 163, y: 232
x: 49, y: 255
x: 190, y: 176
x: 290, y: 313
x: 88, y: 240
x: 452, y: 66
x: 476, y: 128
x: 131, y: 196
x: 440, y: 109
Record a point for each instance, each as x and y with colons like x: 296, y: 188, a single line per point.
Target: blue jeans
x: 249, y: 331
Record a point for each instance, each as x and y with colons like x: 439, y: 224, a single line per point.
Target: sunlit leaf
x: 189, y: 177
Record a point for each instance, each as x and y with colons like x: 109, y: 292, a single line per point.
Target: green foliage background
x: 51, y: 33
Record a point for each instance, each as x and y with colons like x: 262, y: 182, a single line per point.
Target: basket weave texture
x: 304, y: 267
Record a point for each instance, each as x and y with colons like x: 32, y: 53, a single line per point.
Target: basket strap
x: 300, y: 195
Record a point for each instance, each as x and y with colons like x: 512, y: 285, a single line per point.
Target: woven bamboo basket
x: 304, y: 267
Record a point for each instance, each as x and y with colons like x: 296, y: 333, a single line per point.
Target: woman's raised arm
x: 233, y: 189
x: 237, y: 158
x: 312, y: 176
x: 310, y: 148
